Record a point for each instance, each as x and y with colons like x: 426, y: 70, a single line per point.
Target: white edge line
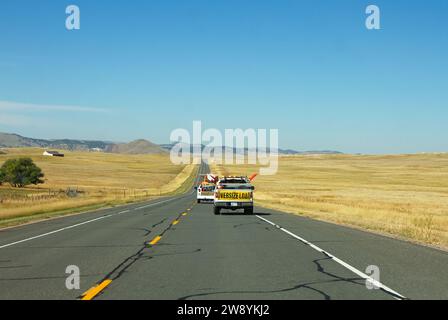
x: 156, y: 203
x: 342, y: 263
x: 77, y: 225
x: 150, y: 205
x: 52, y: 232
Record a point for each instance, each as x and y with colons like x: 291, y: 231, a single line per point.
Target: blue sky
x: 309, y: 68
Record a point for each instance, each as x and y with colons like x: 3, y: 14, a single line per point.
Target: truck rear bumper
x: 208, y: 198
x: 228, y: 205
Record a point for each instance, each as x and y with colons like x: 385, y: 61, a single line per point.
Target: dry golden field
x: 99, y: 179
x: 402, y: 195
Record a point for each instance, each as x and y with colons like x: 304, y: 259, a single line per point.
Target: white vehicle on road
x: 205, y: 192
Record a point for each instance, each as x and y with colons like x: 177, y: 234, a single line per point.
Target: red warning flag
x: 253, y: 176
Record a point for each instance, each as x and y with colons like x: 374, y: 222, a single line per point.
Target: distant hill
x: 135, y: 147
x: 9, y: 140
x: 316, y: 152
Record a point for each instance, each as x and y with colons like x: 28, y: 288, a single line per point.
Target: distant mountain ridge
x: 168, y: 147
x: 135, y: 147
x: 10, y: 140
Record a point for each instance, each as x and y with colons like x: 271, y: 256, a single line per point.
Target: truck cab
x: 234, y: 193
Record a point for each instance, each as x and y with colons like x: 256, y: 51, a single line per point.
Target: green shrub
x: 20, y: 172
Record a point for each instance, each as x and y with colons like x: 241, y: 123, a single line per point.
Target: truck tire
x: 199, y: 201
x: 217, y: 210
x: 249, y: 211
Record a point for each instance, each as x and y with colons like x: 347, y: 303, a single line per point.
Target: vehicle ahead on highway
x: 205, y: 192
x: 234, y: 193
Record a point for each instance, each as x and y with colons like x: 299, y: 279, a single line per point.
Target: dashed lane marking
x: 155, y: 240
x: 93, y: 292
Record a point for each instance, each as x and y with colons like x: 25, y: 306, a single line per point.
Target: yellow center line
x: 175, y: 222
x: 93, y: 292
x: 184, y: 214
x: 155, y: 240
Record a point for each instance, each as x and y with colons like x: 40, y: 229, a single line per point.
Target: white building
x: 53, y: 154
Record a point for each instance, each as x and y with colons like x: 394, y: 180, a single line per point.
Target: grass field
x: 86, y: 180
x: 403, y: 195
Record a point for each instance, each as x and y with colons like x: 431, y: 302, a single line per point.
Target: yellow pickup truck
x: 234, y: 193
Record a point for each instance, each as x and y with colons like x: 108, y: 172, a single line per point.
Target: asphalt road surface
x: 173, y: 248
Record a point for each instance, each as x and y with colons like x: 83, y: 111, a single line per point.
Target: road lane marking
x: 125, y: 211
x: 374, y: 282
x: 184, y: 214
x: 155, y: 240
x: 53, y: 232
x: 93, y: 292
x: 153, y: 204
x: 78, y: 224
x: 175, y: 222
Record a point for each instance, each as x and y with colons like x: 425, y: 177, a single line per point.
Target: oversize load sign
x: 234, y: 195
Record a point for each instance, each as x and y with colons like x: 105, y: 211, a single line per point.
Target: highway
x: 173, y: 248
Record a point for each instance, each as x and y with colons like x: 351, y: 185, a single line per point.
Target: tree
x: 2, y: 177
x: 21, y: 172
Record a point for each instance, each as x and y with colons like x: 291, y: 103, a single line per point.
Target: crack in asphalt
x: 321, y: 269
x: 386, y: 290
x: 246, y: 224
x: 86, y: 246
x: 148, y: 231
x: 121, y: 268
x: 159, y: 223
x: 307, y: 285
x: 45, y: 278
x: 17, y: 267
x: 177, y: 253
